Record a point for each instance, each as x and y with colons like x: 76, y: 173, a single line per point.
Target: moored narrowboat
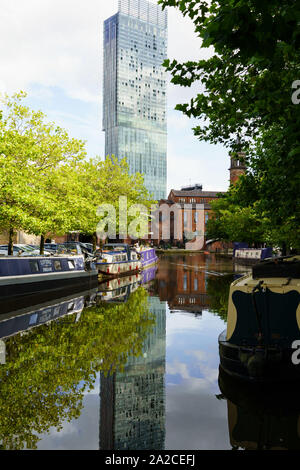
x: 263, y: 322
x: 23, y: 276
x: 119, y: 289
x: 116, y: 259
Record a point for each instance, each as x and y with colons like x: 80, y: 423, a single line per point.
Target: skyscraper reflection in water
x: 132, y: 406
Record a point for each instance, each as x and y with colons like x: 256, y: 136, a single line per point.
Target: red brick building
x: 237, y: 167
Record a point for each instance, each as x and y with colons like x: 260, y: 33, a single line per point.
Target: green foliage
x: 50, y: 368
x: 47, y: 185
x: 218, y: 292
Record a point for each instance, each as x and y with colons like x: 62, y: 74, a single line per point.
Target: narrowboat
x: 116, y: 259
x: 26, y: 276
x: 119, y: 289
x: 23, y: 319
x: 148, y: 274
x: 263, y: 323
x: 251, y: 255
x: 148, y: 257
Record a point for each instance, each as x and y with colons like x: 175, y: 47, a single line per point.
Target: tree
x: 248, y: 80
x: 232, y: 222
x: 49, y: 368
x: 247, y: 90
x: 47, y: 184
x: 32, y: 153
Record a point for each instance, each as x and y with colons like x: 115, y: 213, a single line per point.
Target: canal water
x: 132, y: 365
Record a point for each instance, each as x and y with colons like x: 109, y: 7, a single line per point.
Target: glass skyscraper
x: 134, y: 90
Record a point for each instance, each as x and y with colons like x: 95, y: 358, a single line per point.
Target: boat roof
x: 113, y: 247
x: 248, y: 283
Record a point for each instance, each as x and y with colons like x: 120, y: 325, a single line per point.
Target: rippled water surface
x: 132, y: 365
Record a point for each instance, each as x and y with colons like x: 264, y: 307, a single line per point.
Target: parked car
x: 23, y: 250
x: 75, y: 248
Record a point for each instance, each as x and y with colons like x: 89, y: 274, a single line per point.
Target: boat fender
x: 258, y: 288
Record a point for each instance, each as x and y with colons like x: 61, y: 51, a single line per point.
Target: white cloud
x: 53, y: 45
x: 59, y: 43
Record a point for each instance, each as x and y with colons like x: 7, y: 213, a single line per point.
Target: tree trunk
x: 10, y: 241
x: 42, y: 245
x: 94, y: 241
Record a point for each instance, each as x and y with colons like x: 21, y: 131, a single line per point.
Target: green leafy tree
x: 218, y: 293
x: 100, y: 182
x: 247, y: 81
x: 32, y: 153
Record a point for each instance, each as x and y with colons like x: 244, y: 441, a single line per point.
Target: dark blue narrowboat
x: 263, y: 323
x: 119, y: 289
x: 23, y: 276
x: 17, y: 321
x: 148, y: 274
x: 22, y: 318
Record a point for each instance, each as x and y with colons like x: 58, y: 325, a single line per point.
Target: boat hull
x: 261, y: 416
x: 257, y: 364
x: 148, y: 258
x: 117, y: 269
x: 12, y: 287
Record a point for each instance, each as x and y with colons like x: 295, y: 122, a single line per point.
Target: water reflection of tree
x: 218, y: 292
x: 49, y: 369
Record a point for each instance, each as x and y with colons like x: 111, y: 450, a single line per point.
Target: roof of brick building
x: 196, y: 192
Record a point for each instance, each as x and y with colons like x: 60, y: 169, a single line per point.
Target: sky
x: 53, y: 50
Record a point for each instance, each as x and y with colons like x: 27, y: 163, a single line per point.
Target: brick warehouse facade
x: 186, y: 198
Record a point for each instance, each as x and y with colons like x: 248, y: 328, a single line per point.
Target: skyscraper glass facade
x: 134, y: 90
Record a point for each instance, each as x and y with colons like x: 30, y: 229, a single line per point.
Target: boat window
x: 71, y: 264
x: 46, y: 265
x: 34, y: 266
x: 57, y: 265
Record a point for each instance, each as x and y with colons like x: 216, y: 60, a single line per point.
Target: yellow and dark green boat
x: 263, y: 322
